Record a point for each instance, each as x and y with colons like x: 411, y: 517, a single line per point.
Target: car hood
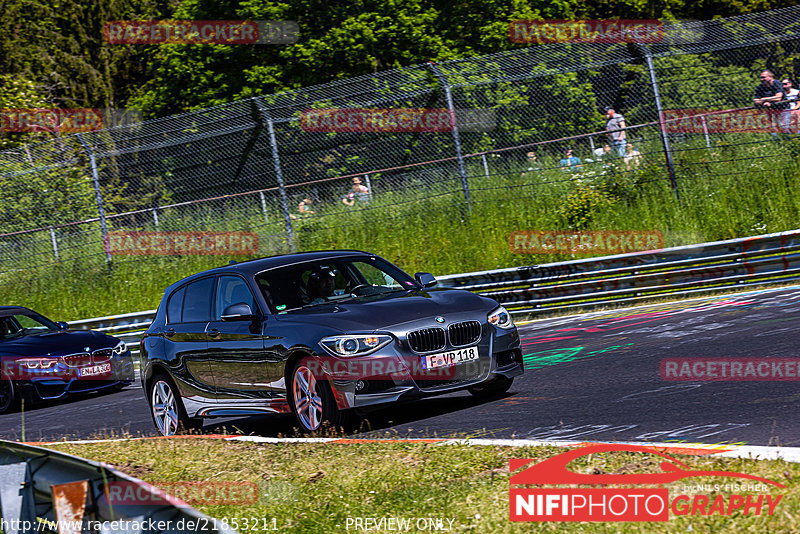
x: 56, y: 343
x: 384, y: 311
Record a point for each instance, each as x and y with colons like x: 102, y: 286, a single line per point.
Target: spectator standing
x: 615, y: 126
x: 570, y: 163
x: 792, y: 95
x: 768, y: 96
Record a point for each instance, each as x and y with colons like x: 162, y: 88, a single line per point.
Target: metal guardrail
x: 42, y: 490
x: 127, y: 327
x: 720, y: 265
x: 705, y: 267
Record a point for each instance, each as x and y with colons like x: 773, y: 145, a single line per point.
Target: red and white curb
x: 789, y: 454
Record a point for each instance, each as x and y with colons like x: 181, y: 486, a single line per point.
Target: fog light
x: 360, y: 385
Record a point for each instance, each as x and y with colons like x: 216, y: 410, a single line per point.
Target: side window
x: 197, y: 303
x: 175, y: 305
x: 375, y: 276
x: 233, y: 290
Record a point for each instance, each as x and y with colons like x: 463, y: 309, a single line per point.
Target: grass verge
x: 317, y: 487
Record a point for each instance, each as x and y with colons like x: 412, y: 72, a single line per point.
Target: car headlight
x: 501, y: 318
x: 354, y: 345
x: 120, y: 348
x: 37, y: 363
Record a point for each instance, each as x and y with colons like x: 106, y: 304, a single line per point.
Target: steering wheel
x: 359, y: 286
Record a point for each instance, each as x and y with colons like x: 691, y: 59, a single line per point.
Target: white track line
x: 789, y: 454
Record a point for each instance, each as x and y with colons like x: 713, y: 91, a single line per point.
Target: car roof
x: 11, y: 310
x: 252, y: 267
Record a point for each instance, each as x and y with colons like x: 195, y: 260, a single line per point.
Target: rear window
x: 175, y: 306
x: 197, y: 302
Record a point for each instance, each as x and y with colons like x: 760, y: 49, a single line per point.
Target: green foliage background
x: 58, y: 46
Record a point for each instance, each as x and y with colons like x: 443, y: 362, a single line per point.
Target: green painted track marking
x: 546, y: 358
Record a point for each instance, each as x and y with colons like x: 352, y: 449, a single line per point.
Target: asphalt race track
x: 588, y: 377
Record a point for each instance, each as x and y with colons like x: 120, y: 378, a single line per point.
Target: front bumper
x: 395, y: 372
x: 60, y: 381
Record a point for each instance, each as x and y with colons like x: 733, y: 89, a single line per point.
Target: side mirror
x: 425, y: 279
x: 238, y: 312
x: 62, y: 325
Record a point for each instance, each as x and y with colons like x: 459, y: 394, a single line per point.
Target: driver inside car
x: 321, y: 285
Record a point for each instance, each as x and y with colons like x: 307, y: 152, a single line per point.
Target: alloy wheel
x: 165, y: 408
x: 307, y: 398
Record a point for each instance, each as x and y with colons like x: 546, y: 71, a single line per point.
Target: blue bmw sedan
x: 41, y: 359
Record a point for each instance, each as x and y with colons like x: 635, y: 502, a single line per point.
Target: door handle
x: 213, y: 333
x: 170, y: 332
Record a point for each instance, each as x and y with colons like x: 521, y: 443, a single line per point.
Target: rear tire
x: 495, y: 388
x: 166, y: 408
x: 9, y: 398
x: 312, y: 400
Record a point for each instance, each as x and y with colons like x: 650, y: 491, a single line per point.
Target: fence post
x: 705, y: 132
x: 263, y: 206
x: 369, y: 185
x: 155, y: 217
x: 485, y: 165
x: 98, y: 196
x: 54, y: 242
x: 276, y: 160
x: 462, y: 171
x: 644, y: 51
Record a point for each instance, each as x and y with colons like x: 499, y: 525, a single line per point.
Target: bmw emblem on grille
x: 439, y: 319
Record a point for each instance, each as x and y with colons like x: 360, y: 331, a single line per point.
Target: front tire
x: 312, y: 399
x: 9, y: 399
x: 167, y: 409
x: 495, y: 388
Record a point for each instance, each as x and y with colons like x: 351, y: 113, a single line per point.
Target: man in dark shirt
x: 768, y: 96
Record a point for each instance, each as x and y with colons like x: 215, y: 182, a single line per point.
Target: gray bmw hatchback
x: 318, y: 334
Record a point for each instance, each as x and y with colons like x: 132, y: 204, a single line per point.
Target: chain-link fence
x: 445, y: 136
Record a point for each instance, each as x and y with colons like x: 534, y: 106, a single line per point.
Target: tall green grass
x: 733, y: 190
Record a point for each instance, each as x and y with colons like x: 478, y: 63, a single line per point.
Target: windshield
x: 18, y: 325
x: 319, y: 282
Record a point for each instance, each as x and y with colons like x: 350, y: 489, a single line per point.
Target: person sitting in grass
x: 570, y: 162
x: 358, y: 192
x: 304, y: 208
x: 533, y: 163
x: 633, y: 158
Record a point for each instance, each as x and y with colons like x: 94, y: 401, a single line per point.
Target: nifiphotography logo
x: 626, y: 503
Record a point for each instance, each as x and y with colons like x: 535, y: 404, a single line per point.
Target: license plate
x: 95, y: 370
x: 447, y: 359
